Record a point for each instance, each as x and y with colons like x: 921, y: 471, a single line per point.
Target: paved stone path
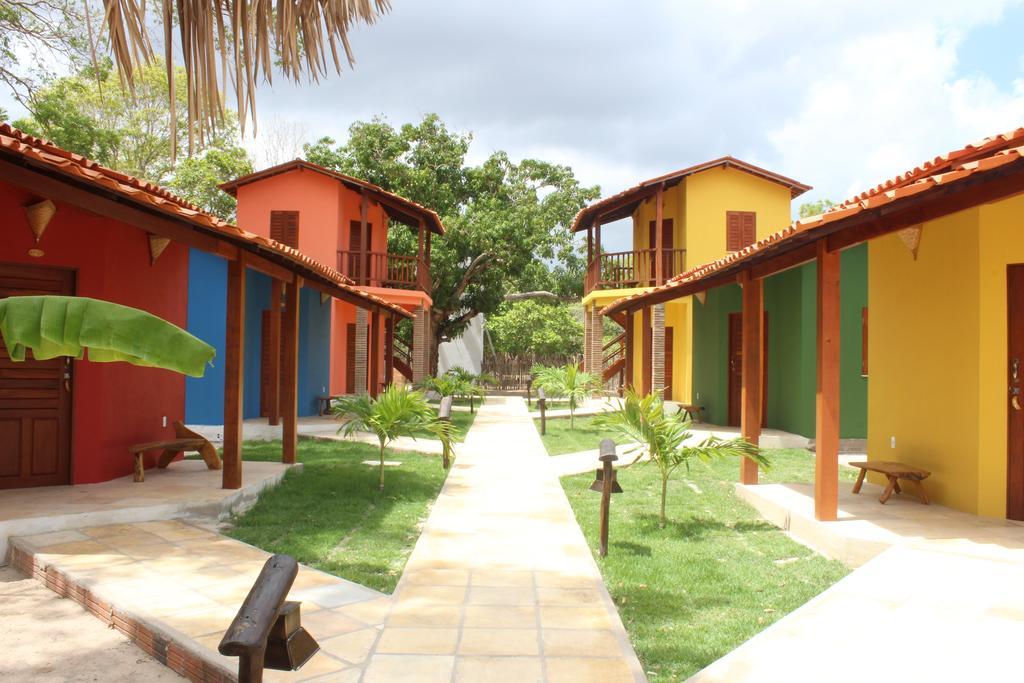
x: 502, y: 585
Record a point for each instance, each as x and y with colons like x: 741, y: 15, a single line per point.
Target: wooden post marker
x: 608, y: 485
x: 542, y: 403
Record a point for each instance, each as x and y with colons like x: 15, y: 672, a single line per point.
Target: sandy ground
x: 48, y: 639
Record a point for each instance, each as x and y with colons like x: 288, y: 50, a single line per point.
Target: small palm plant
x: 568, y: 382
x: 665, y: 438
x: 395, y: 412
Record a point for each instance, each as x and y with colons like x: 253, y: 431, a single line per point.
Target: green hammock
x: 53, y: 326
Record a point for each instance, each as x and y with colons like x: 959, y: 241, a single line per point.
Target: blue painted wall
x: 314, y: 350
x: 257, y: 300
x: 207, y: 311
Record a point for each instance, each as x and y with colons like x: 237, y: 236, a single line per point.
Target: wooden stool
x: 894, y: 471
x: 187, y: 441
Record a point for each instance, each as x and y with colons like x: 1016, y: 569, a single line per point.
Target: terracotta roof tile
x: 943, y: 170
x: 587, y: 213
x: 43, y: 152
x: 231, y: 187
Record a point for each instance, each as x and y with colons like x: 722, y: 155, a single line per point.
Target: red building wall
x: 114, y: 404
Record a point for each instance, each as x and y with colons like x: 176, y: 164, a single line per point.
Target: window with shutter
x: 284, y: 227
x: 740, y: 229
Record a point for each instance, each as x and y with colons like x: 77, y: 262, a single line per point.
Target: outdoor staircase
x: 613, y: 362
x: 403, y: 358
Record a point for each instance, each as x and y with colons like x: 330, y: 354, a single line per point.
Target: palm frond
x: 246, y: 39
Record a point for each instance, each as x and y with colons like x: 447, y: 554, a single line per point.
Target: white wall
x: 466, y: 352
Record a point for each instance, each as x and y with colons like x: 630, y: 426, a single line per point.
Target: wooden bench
x: 690, y: 411
x: 323, y: 404
x: 186, y: 441
x: 894, y: 471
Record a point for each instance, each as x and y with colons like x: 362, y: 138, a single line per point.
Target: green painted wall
x: 789, y: 300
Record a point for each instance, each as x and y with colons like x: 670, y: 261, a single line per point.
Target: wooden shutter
x: 740, y: 229
x: 284, y: 227
x: 350, y: 358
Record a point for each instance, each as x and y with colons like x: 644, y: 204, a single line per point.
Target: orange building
x: 337, y: 219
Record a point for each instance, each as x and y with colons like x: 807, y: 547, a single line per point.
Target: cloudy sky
x: 835, y: 94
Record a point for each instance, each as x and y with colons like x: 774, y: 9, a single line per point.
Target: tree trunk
x: 664, y: 494
x: 382, y: 468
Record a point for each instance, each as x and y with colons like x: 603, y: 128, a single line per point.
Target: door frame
x: 737, y: 319
x: 67, y: 403
x: 1014, y: 422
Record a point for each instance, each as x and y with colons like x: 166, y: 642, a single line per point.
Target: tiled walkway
x: 501, y: 585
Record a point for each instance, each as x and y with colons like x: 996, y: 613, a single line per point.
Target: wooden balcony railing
x: 622, y: 269
x: 379, y: 269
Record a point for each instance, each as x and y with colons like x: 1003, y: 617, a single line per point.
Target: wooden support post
x: 234, y: 374
x: 375, y: 351
x: 290, y: 374
x: 590, y: 244
x: 659, y: 238
x: 273, y: 354
x: 753, y: 382
x: 542, y: 405
x: 364, y: 231
x: 826, y: 469
x: 630, y: 347
x: 606, y: 454
x: 647, y: 343
x: 421, y: 257
x: 389, y: 348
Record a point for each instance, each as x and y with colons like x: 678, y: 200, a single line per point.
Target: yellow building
x: 705, y: 212
x: 945, y: 333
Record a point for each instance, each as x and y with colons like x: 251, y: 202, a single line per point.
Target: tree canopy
x: 507, y: 222
x: 91, y: 114
x: 808, y: 209
x: 543, y: 328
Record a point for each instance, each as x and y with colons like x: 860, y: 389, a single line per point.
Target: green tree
x: 666, y: 439
x: 507, y: 223
x: 35, y: 34
x: 567, y: 382
x: 90, y: 114
x: 196, y: 178
x: 395, y: 412
x: 808, y: 209
x: 536, y: 327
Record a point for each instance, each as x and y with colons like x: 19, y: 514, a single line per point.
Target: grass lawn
x: 715, y: 576
x: 560, y: 439
x: 333, y: 517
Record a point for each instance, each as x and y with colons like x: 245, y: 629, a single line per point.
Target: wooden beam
x: 98, y: 200
x: 659, y: 239
x: 590, y: 244
x: 597, y: 239
x: 290, y: 374
x: 751, y: 372
x: 389, y: 348
x: 826, y: 470
x: 234, y: 373
x: 364, y: 230
x: 374, y: 352
x: 269, y: 268
x: 646, y: 341
x: 630, y: 347
x: 274, y: 353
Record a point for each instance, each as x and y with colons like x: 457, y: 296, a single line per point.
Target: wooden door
x: 350, y: 358
x: 668, y: 363
x: 735, y: 370
x: 1015, y: 393
x: 266, y: 367
x: 35, y: 396
x: 667, y: 245
x: 358, y: 251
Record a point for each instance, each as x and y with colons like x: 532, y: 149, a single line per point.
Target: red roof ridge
x: 72, y: 164
x: 909, y: 184
x: 796, y: 188
x: 231, y: 186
